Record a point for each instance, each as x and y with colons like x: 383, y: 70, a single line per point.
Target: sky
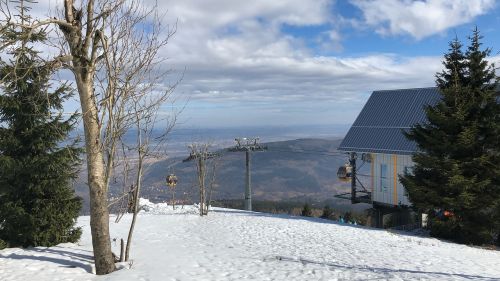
x: 307, y: 62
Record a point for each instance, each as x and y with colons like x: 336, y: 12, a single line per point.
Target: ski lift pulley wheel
x: 172, y: 180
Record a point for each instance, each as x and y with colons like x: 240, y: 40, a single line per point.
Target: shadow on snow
x: 377, y: 269
x: 77, y: 260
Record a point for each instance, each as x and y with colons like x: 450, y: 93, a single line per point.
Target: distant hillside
x: 294, y: 170
x: 289, y: 170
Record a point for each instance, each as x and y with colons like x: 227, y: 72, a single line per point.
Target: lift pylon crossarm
x: 247, y: 144
x: 207, y: 155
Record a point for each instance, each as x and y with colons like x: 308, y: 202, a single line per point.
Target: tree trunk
x: 99, y: 214
x: 201, y: 180
x: 136, y: 194
x: 122, y: 249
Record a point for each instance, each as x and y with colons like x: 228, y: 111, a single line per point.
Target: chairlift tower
x: 352, y: 161
x: 349, y: 172
x: 247, y: 145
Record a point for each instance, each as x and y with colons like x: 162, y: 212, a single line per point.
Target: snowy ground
x: 238, y: 245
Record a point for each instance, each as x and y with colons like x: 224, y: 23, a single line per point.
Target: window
x: 384, y: 180
x: 408, y: 170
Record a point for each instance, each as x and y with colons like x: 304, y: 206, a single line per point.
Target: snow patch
x: 148, y: 207
x: 229, y: 244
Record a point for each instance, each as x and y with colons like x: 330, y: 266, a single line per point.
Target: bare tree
x: 145, y: 113
x: 199, y: 153
x: 213, y: 180
x: 90, y: 48
x: 131, y: 78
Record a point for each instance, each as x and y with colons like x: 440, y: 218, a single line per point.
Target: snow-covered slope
x: 239, y: 245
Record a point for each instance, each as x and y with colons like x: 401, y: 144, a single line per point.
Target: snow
x: 239, y: 245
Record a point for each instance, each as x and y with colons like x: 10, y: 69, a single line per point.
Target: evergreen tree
x: 38, y: 206
x: 347, y: 216
x: 327, y: 212
x: 456, y: 175
x: 307, y: 211
x: 454, y: 64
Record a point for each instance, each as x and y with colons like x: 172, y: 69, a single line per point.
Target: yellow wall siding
x: 394, y: 193
x: 372, y: 170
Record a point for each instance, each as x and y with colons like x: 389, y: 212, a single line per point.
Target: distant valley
x: 302, y: 170
x: 287, y: 170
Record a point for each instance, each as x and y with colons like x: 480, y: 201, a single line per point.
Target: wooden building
x: 377, y: 137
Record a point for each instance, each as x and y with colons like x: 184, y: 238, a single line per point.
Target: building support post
x: 380, y: 219
x: 352, y: 162
x: 248, y: 188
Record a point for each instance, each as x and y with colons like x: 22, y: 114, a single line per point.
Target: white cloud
x: 236, y: 54
x: 239, y: 61
x: 256, y: 60
x: 420, y: 18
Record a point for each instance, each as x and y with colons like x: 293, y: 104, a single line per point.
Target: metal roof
x: 380, y: 124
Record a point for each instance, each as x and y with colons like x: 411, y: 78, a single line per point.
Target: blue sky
x: 296, y: 62
x: 362, y: 41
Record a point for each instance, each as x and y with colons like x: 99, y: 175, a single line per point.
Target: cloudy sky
x: 290, y: 62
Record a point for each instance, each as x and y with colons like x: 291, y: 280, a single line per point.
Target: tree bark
x: 84, y: 52
x: 99, y: 214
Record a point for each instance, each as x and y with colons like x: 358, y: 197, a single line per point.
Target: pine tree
x: 327, y: 212
x: 38, y: 206
x: 454, y: 64
x: 456, y: 170
x: 306, y: 210
x: 484, y: 137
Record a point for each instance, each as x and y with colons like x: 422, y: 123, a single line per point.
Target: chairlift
x: 171, y: 180
x: 345, y: 172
